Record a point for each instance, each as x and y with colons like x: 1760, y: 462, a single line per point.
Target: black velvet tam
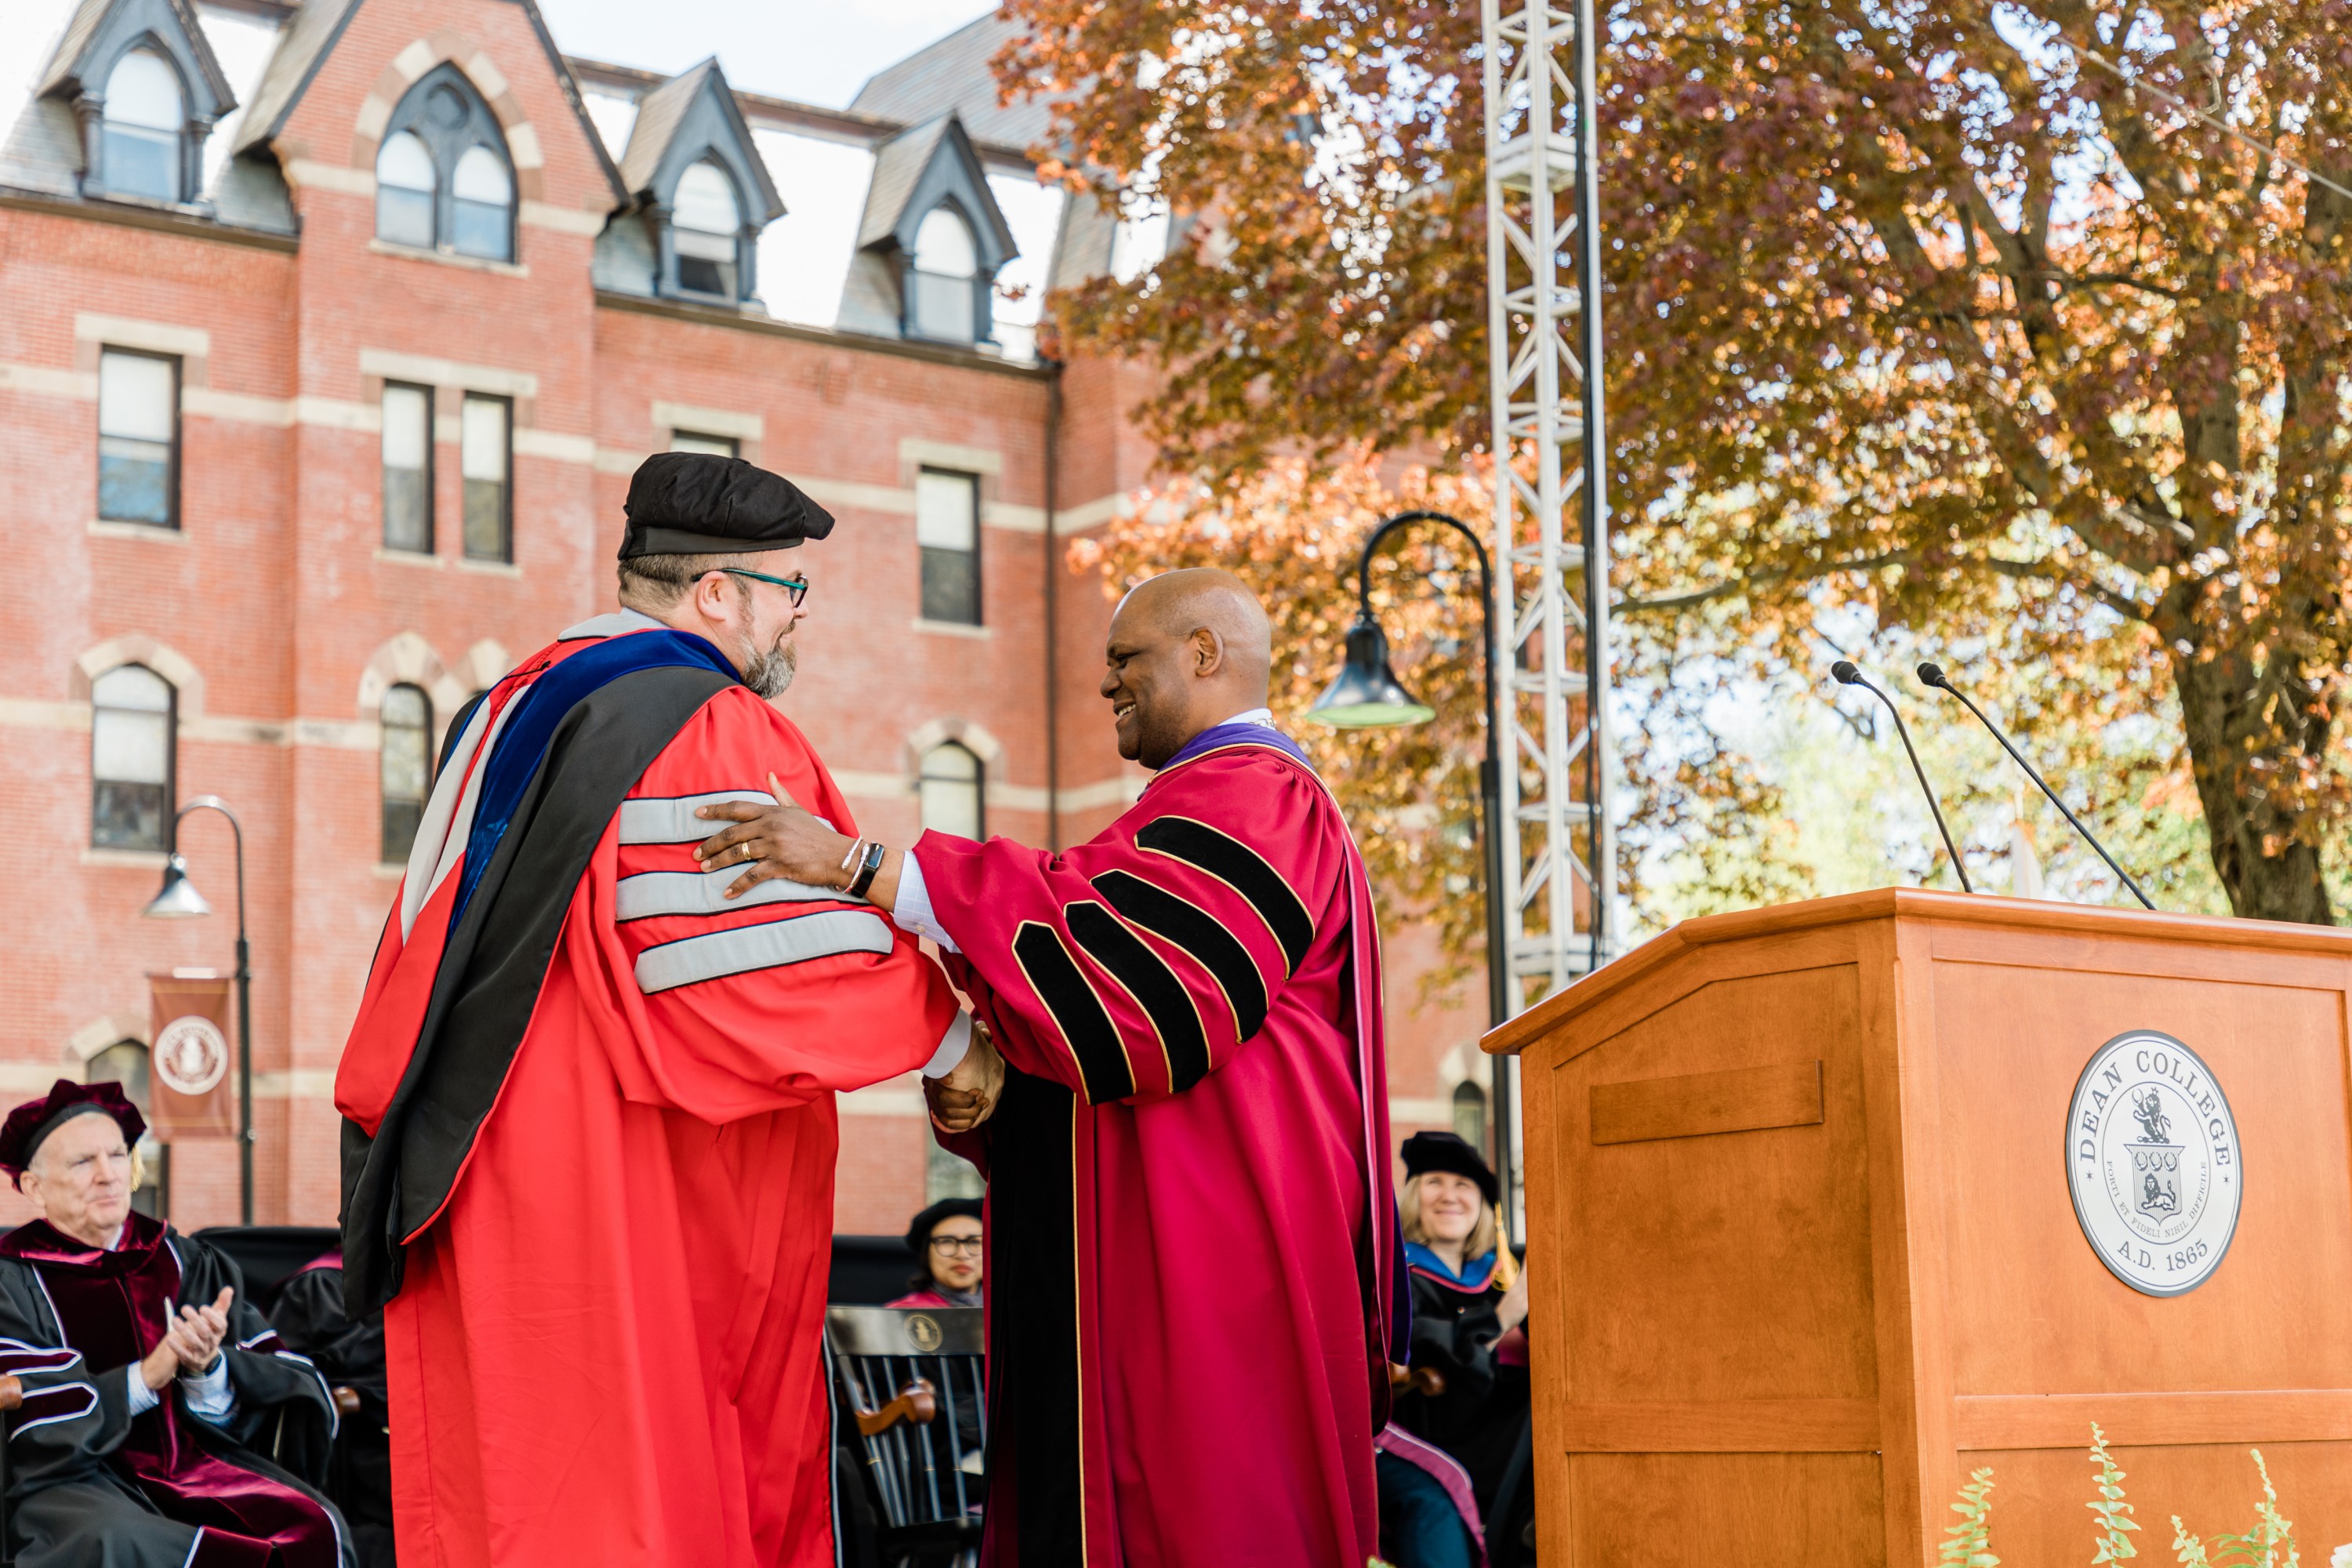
x: 698, y: 503
x: 1427, y: 1151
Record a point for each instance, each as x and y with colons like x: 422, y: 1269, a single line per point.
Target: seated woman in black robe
x: 1468, y: 1303
x: 150, y: 1388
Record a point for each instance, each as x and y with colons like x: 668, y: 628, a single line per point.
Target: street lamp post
x: 179, y: 900
x: 1367, y: 695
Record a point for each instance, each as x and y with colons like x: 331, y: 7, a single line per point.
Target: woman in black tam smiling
x: 151, y: 1388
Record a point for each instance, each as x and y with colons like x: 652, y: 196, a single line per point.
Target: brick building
x: 329, y: 333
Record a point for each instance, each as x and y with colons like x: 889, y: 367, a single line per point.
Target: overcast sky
x: 815, y: 51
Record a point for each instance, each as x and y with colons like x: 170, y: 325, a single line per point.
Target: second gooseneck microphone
x: 1849, y: 676
x: 1932, y: 675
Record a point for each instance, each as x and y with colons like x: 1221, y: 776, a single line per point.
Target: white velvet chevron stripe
x: 770, y: 945
x: 670, y: 819
x: 650, y: 893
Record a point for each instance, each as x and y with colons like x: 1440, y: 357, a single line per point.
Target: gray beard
x: 769, y: 673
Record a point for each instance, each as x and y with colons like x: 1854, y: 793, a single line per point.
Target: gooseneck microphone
x: 1932, y: 675
x: 1849, y: 676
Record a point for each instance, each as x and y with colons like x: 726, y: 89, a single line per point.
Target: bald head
x: 1187, y: 650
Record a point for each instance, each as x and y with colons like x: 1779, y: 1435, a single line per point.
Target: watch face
x: 2153, y: 1163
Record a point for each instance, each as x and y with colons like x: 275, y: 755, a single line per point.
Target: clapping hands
x: 191, y: 1344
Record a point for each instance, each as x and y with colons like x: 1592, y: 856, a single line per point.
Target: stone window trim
x: 422, y: 58
x: 138, y: 647
x: 974, y: 738
x: 102, y: 1033
x: 450, y: 384
x: 408, y: 659
x: 446, y: 145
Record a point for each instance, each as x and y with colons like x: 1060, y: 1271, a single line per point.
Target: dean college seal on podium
x: 2152, y: 1159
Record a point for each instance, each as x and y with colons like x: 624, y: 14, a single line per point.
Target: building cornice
x: 713, y: 316
x: 157, y: 219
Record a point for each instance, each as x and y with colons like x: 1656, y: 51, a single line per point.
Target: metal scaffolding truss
x: 1551, y: 628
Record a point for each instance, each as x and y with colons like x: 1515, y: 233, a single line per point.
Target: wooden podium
x: 1804, y: 1246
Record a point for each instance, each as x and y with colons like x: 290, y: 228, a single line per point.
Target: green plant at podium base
x: 2269, y: 1544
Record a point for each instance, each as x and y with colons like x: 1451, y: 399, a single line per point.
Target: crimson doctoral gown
x: 1192, y: 1237
x: 590, y: 1143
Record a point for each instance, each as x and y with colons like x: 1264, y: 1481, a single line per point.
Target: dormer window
x: 935, y: 235
x: 941, y: 301
x: 145, y: 117
x: 145, y: 91
x: 443, y: 178
x: 700, y: 190
x: 706, y: 223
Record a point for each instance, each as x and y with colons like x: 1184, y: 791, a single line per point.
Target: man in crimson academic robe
x: 589, y: 1127
x: 1192, y: 1237
x: 144, y: 1387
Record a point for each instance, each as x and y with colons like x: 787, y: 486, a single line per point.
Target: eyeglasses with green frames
x: 796, y: 586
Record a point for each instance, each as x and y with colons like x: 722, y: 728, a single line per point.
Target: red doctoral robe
x: 606, y: 1341
x: 1192, y: 1237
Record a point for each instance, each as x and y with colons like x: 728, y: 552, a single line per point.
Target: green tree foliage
x: 1921, y: 318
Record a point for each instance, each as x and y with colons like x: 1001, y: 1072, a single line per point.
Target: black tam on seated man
x: 151, y: 1390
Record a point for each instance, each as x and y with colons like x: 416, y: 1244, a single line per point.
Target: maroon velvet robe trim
x: 114, y: 1307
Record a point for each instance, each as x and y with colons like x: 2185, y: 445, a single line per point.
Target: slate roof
x: 658, y: 112
x: 85, y: 21
x: 897, y: 164
x: 954, y: 75
x: 301, y: 45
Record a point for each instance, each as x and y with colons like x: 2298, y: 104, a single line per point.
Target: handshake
x: 967, y: 1096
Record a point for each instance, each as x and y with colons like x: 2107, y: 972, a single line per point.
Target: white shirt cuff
x: 953, y: 1046
x: 209, y: 1396
x: 911, y: 910
x: 143, y: 1398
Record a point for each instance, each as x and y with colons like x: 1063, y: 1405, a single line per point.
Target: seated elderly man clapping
x: 144, y: 1374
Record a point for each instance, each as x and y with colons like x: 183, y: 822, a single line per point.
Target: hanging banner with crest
x: 188, y: 1085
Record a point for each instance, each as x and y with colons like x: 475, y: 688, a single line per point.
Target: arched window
x: 132, y: 744
x: 485, y: 205
x: 405, y: 183
x: 443, y: 179
x: 405, y: 766
x: 1470, y: 1115
x: 144, y: 117
x: 940, y: 289
x: 125, y: 1062
x: 951, y: 788
x: 705, y: 223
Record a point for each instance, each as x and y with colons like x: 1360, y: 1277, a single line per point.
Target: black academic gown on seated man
x: 92, y: 1485
x: 309, y: 1312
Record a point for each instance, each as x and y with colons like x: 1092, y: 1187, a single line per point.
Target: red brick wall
x: 276, y: 597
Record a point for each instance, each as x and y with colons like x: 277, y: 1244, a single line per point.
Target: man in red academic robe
x: 1192, y: 1239
x: 590, y: 1135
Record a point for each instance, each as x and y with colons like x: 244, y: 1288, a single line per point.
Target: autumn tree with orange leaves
x: 2014, y: 332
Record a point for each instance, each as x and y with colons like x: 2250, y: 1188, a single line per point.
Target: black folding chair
x: 911, y: 1382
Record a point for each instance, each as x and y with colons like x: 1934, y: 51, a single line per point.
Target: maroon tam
x: 29, y: 1123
